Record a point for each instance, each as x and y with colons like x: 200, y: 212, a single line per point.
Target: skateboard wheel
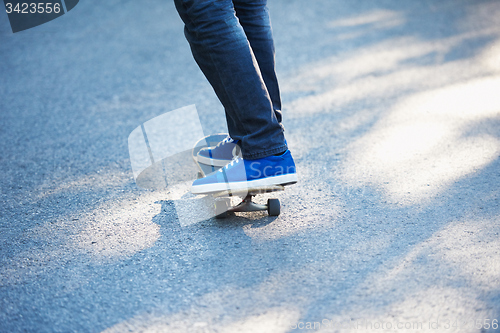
x: 273, y: 207
x: 221, y: 207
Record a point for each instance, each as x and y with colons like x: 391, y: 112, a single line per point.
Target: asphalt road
x: 392, y: 113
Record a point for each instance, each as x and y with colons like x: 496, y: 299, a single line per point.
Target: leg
x: 254, y: 18
x: 222, y: 50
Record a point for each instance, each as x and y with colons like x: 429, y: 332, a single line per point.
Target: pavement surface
x: 392, y: 113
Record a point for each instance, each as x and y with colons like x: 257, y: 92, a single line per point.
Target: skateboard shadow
x: 201, y: 213
x: 255, y: 219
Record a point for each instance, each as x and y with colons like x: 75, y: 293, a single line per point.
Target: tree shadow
x: 369, y: 258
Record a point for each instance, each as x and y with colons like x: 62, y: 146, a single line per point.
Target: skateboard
x: 223, y: 198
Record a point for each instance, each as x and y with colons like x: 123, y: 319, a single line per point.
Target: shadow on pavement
x: 394, y: 220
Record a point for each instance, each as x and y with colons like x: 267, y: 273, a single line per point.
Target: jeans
x: 232, y: 43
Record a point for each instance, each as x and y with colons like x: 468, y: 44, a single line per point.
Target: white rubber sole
x: 287, y: 179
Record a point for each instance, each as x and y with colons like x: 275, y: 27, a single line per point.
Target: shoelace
x: 223, y: 142
x: 234, y: 161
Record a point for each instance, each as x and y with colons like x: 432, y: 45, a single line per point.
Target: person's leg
x: 222, y: 50
x: 254, y: 18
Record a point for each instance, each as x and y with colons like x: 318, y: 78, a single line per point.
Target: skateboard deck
x: 222, y: 198
x: 250, y: 191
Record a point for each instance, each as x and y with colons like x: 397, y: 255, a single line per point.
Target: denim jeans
x: 232, y: 43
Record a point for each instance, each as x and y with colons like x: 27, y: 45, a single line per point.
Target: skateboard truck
x: 222, y: 198
x: 222, y: 206
x: 223, y: 201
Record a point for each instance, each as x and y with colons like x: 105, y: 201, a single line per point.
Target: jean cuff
x: 265, y: 153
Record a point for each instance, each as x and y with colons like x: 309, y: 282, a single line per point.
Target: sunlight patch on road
x: 418, y: 312
x: 303, y: 207
x: 466, y: 251
x: 428, y: 141
x: 422, y: 118
x: 491, y: 57
x: 472, y: 249
x: 107, y: 178
x: 283, y: 295
x: 232, y: 309
x: 120, y: 228
x: 113, y: 230
x: 427, y: 284
x: 426, y: 109
x: 273, y: 320
x: 378, y: 18
x: 267, y: 320
x: 383, y: 71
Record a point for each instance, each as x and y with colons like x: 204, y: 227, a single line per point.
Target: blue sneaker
x: 241, y: 174
x: 220, y: 155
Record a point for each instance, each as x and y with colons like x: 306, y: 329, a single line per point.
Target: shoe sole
x: 235, y: 186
